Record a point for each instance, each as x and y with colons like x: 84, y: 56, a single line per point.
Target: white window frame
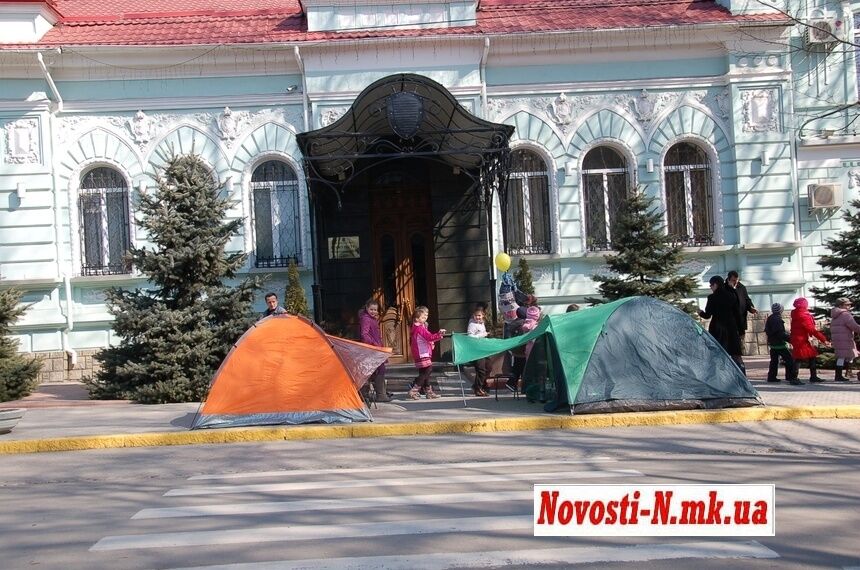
x: 627, y: 156
x: 551, y: 193
x: 277, y: 215
x: 78, y: 228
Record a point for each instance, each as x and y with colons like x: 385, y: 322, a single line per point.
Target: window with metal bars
x: 104, y: 222
x: 689, y: 195
x: 605, y: 187
x: 275, y: 195
x: 527, y: 221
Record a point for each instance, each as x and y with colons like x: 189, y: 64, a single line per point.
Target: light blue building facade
x: 743, y: 129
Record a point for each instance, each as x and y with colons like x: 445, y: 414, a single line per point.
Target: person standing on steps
x: 477, y: 329
x: 368, y: 319
x: 423, y: 343
x: 802, y: 327
x: 843, y: 327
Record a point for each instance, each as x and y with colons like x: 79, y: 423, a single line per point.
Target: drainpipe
x: 70, y: 323
x: 305, y: 109
x: 50, y: 79
x: 71, y: 353
x: 483, y: 70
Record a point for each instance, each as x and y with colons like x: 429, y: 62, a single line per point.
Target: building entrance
x: 403, y: 262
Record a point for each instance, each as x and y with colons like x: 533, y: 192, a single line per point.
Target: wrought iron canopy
x: 401, y: 116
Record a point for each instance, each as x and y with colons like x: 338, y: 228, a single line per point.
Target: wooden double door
x: 404, y: 268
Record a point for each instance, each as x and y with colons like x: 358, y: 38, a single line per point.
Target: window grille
x: 275, y: 192
x: 689, y: 196
x: 605, y: 187
x: 528, y: 220
x: 104, y: 223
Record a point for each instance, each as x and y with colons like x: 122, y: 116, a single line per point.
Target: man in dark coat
x: 744, y: 304
x: 721, y: 308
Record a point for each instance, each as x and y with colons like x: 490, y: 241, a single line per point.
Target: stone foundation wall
x: 56, y: 366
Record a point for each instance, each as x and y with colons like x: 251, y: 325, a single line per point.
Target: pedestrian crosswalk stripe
x: 332, y: 504
x: 407, y: 467
x: 299, y: 532
x: 520, y: 558
x: 554, y: 477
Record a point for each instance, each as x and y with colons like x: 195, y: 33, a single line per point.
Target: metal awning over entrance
x: 403, y: 116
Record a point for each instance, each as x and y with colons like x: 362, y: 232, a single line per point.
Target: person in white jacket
x: 478, y: 329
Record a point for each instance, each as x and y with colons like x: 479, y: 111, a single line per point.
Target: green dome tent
x: 634, y: 354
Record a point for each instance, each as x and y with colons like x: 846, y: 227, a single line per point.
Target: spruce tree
x: 295, y: 301
x: 17, y: 372
x: 842, y: 263
x: 175, y: 333
x: 523, y: 277
x: 646, y: 263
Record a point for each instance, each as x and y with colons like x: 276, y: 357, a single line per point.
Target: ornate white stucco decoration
x: 141, y: 128
x: 155, y: 126
x: 332, y: 114
x: 645, y: 107
x: 228, y: 126
x: 760, y: 110
x: 854, y: 178
x: 724, y: 102
x: 22, y: 142
x: 562, y: 110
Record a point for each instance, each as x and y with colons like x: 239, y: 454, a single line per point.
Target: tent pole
x: 462, y: 389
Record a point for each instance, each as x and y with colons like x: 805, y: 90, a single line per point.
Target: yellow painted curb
x: 367, y: 430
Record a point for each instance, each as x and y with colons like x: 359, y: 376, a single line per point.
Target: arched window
x: 605, y: 187
x: 275, y: 195
x: 104, y: 223
x: 527, y: 220
x: 689, y: 196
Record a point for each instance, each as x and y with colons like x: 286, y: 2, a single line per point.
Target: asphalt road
x: 435, y: 502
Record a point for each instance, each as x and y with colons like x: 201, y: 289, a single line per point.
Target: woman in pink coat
x: 843, y: 327
x: 802, y: 327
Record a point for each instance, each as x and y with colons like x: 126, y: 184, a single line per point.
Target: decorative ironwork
x: 275, y: 192
x: 689, y: 196
x: 104, y: 223
x: 405, y: 116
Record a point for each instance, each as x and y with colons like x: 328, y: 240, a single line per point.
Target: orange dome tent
x: 286, y: 370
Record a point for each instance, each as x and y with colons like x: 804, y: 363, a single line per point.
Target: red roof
x: 214, y: 22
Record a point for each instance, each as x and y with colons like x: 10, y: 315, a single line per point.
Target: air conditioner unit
x: 822, y: 196
x: 824, y: 30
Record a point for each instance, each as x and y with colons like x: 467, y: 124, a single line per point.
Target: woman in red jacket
x: 802, y: 327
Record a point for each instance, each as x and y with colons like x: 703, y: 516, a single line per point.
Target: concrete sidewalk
x: 59, y: 417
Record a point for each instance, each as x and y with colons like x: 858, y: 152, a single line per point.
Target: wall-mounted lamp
x: 21, y: 190
x: 569, y: 167
x: 765, y: 158
x: 141, y: 187
x: 228, y: 182
x: 291, y: 88
x: 649, y: 166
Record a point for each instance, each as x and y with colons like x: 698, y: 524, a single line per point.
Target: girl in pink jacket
x: 423, y: 342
